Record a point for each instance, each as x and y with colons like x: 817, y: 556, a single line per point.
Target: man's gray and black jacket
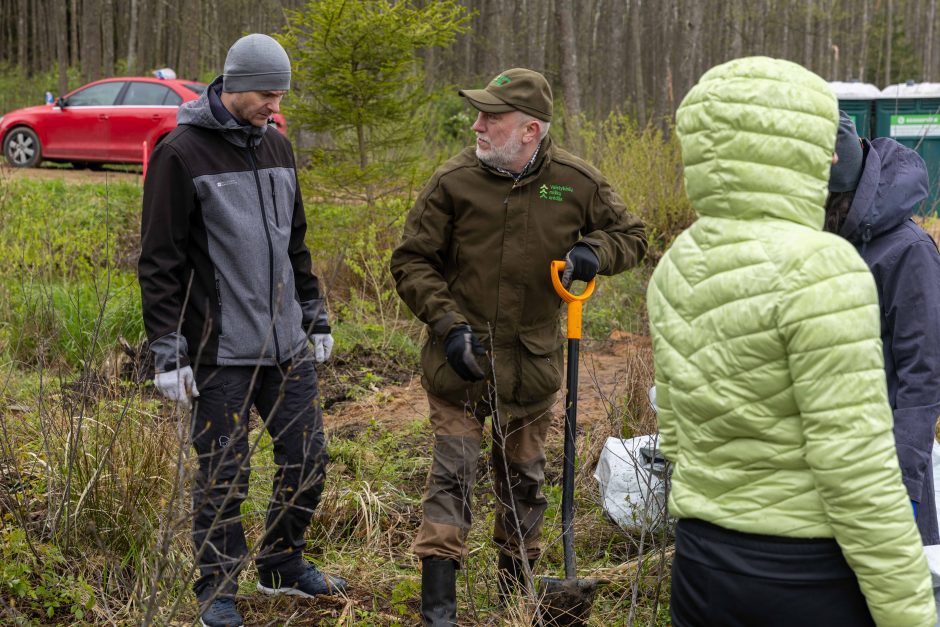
x: 225, y: 275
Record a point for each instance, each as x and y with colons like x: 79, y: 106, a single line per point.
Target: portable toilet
x: 910, y: 113
x: 857, y: 99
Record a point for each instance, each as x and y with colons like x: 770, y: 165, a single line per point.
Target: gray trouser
x: 287, y: 399
x: 518, y: 475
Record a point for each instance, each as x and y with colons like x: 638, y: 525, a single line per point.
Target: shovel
x: 567, y: 602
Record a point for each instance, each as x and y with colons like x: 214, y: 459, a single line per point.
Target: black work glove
x: 461, y: 348
x: 580, y: 265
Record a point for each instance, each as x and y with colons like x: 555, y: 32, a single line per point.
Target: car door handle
x: 156, y: 117
x: 102, y: 116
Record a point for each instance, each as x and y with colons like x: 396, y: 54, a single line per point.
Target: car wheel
x: 21, y: 147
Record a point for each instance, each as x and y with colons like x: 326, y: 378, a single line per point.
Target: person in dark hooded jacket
x: 873, y: 190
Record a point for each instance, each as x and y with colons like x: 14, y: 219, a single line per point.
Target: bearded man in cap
x: 473, y: 265
x: 230, y: 304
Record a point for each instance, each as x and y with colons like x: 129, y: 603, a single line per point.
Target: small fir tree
x: 358, y: 86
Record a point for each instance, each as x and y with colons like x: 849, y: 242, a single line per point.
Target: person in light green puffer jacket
x: 769, y: 376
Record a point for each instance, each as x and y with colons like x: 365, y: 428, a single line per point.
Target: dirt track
x: 610, y: 370
x: 69, y: 175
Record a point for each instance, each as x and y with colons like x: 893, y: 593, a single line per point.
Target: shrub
x: 645, y: 167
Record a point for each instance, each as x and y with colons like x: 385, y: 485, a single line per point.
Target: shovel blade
x: 566, y: 602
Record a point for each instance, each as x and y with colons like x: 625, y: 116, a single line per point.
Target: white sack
x: 631, y: 474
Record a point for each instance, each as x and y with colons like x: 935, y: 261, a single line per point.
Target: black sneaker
x: 310, y: 584
x: 222, y: 613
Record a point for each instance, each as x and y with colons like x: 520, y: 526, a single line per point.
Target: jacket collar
x: 542, y: 158
x: 203, y: 113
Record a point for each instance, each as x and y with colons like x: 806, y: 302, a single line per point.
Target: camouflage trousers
x: 518, y: 474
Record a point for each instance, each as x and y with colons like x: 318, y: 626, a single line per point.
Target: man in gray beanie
x: 230, y: 304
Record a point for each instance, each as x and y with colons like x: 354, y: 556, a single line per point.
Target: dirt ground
x: 69, y: 174
x: 608, y: 370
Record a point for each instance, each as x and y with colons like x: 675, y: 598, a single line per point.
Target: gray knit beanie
x: 843, y: 177
x: 256, y: 63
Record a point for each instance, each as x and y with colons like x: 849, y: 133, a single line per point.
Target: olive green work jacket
x: 477, y: 248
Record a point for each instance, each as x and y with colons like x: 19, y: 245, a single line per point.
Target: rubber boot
x: 510, y: 576
x: 438, y: 592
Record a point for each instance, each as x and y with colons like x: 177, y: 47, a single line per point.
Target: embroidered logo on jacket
x: 554, y: 192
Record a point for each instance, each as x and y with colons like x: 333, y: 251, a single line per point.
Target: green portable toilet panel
x: 910, y: 113
x: 858, y: 101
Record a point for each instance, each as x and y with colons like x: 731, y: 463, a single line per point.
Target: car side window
x: 100, y: 95
x: 172, y: 99
x: 145, y: 94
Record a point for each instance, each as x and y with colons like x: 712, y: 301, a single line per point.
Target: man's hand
x: 177, y: 385
x: 322, y: 346
x: 580, y: 265
x: 461, y: 348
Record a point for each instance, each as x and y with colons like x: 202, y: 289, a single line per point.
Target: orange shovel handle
x: 574, y: 300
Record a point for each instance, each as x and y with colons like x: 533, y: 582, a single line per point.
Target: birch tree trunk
x: 22, y: 34
x: 863, y: 29
x: 132, y: 40
x: 107, y: 37
x: 930, y: 29
x: 889, y: 36
x: 62, y: 46
x: 639, y: 90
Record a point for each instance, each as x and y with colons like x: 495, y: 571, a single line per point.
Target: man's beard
x: 503, y: 156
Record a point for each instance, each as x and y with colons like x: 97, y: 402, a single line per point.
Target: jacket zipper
x: 511, y: 190
x: 218, y: 295
x: 267, y: 234
x: 277, y: 220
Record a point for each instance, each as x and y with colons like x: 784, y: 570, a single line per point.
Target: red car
x: 105, y: 121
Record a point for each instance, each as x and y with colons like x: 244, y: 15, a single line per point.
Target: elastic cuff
x: 321, y: 329
x: 450, y: 319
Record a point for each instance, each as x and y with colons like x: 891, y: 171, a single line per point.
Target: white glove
x: 177, y: 385
x: 322, y: 346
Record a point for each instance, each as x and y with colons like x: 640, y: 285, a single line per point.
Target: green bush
x: 68, y: 322
x: 58, y: 230
x: 67, y: 257
x: 39, y: 584
x: 18, y: 91
x: 645, y: 167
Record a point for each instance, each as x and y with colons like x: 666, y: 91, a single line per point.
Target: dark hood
x: 199, y: 113
x: 893, y: 182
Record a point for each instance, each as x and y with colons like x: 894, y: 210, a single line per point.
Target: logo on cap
x: 501, y: 80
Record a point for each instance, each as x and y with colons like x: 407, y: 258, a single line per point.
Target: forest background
x: 94, y: 466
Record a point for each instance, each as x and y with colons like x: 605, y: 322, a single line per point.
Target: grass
x: 94, y: 469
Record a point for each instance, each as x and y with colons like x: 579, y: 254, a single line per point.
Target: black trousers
x: 731, y: 579
x: 287, y: 399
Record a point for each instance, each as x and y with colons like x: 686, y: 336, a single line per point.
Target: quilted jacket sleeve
x: 418, y: 262
x: 618, y: 238
x: 665, y: 418
x: 829, y: 320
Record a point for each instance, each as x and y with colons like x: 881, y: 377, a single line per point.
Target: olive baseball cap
x: 517, y: 89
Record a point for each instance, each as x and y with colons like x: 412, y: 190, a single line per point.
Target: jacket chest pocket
x: 280, y: 199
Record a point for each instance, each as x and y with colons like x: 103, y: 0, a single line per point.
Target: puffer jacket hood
x: 199, y: 113
x: 893, y: 183
x: 760, y: 152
